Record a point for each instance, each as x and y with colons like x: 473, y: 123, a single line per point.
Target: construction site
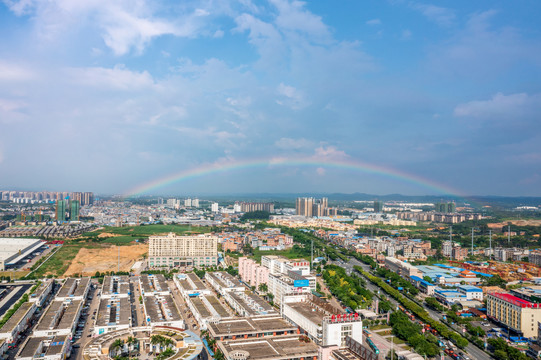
x: 105, y: 259
x: 507, y: 271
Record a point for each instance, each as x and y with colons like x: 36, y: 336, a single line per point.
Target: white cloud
x: 14, y: 72
x: 291, y: 97
x: 483, y: 52
x: 118, y: 77
x: 373, y: 22
x: 125, y: 25
x: 440, y: 15
x: 321, y: 171
x: 292, y: 16
x: 499, y: 105
x: 330, y: 153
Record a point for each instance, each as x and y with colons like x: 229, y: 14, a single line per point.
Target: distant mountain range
x: 500, y: 201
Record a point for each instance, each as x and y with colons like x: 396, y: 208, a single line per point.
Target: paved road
x: 87, y: 315
x: 13, y: 296
x: 473, y: 351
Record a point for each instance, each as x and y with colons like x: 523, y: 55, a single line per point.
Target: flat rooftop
x: 151, y: 283
x: 73, y: 288
x: 516, y: 300
x: 113, y: 285
x: 17, y: 317
x: 242, y: 303
x: 161, y: 308
x: 11, y: 246
x: 41, y: 288
x: 59, y: 315
x: 220, y: 309
x: 251, y: 325
x: 115, y: 311
x: 53, y: 346
x: 196, y: 281
x: 200, y: 307
x: 279, y: 347
x: 309, y: 311
x: 225, y: 280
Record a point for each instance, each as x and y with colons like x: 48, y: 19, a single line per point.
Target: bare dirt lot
x: 108, y: 235
x: 88, y: 261
x: 516, y: 222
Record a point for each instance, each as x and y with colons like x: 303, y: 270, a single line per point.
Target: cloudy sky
x: 104, y: 95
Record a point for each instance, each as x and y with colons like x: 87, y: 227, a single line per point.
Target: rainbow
x: 347, y: 164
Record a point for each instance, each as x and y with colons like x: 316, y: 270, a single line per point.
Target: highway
x: 473, y: 351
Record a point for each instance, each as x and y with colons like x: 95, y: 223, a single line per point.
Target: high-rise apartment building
x: 378, y: 206
x: 61, y: 208
x: 214, y: 207
x: 446, y: 208
x: 256, y: 206
x: 311, y: 207
x: 74, y: 210
x: 172, y: 250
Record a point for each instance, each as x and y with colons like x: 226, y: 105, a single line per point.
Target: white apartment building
x: 214, y: 207
x: 172, y: 250
x: 282, y: 285
x: 279, y: 265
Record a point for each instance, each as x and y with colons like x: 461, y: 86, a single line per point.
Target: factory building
x: 47, y: 348
x: 13, y: 251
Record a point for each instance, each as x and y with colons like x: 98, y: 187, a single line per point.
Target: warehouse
x: 269, y: 348
x: 115, y: 286
x: 190, y: 285
x: 207, y: 309
x: 248, y: 304
x: 160, y: 310
x: 73, y: 289
x: 60, y: 318
x: 14, y: 250
x: 151, y: 285
x: 113, y: 314
x: 41, y: 294
x: 223, y: 282
x: 251, y: 327
x: 57, y: 348
x: 18, y: 322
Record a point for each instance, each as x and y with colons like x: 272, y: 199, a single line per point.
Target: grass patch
x: 379, y: 327
x: 118, y: 240
x: 15, y: 274
x: 396, y: 340
x: 61, y: 260
x: 147, y: 230
x: 289, y: 253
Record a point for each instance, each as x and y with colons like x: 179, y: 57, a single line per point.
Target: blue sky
x: 101, y: 95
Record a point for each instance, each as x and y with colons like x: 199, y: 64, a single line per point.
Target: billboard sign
x: 301, y: 283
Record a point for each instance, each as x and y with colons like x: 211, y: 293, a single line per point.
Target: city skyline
x: 114, y: 96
